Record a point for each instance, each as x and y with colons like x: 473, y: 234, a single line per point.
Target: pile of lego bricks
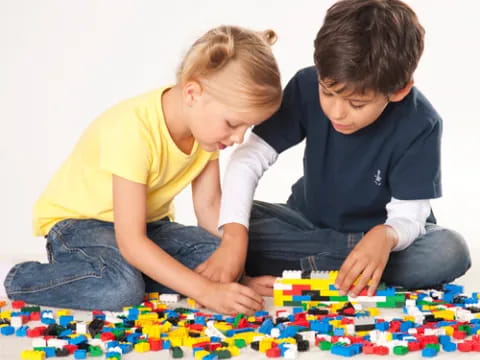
x: 432, y: 321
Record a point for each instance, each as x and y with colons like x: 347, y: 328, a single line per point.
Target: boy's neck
x: 175, y: 119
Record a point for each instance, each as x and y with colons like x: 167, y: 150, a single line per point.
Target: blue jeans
x: 86, y: 270
x: 281, y: 238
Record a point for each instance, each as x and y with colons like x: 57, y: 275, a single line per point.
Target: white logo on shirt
x: 377, y: 178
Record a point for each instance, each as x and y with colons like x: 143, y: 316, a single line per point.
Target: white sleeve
x: 407, y: 218
x: 245, y: 168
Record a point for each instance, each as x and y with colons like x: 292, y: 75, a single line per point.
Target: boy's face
x: 349, y: 112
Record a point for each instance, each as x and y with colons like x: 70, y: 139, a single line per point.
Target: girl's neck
x: 175, y: 119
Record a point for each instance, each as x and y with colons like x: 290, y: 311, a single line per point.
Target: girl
x: 107, y: 213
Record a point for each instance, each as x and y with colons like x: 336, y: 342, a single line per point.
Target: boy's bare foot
x: 263, y: 285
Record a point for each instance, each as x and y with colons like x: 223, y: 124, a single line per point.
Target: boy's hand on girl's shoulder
x: 231, y: 298
x: 367, y: 261
x: 227, y: 263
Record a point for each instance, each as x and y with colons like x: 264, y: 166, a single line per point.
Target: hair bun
x: 219, y: 50
x: 270, y: 36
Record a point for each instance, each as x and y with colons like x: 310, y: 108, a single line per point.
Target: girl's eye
x: 326, y: 93
x: 356, y: 106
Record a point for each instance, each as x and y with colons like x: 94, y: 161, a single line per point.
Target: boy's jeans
x: 87, y: 271
x: 280, y: 236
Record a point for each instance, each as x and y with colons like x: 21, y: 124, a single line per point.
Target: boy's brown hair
x: 369, y: 45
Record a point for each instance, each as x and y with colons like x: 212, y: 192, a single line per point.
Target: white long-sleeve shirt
x: 251, y: 159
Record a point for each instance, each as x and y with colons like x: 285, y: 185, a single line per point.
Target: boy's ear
x: 192, y: 91
x: 400, y: 94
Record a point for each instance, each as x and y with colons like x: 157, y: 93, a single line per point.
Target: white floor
x: 11, y: 346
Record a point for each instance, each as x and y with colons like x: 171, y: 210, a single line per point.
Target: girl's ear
x: 400, y: 94
x: 192, y: 91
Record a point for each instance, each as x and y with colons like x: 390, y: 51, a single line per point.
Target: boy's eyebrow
x: 325, y: 87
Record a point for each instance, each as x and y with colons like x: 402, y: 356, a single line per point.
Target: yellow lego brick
x: 223, y: 326
x: 166, y: 326
x: 388, y: 336
x: 199, y: 355
x: 229, y: 341
x: 409, y: 318
x: 234, y: 350
x: 373, y: 311
x: 190, y: 341
x: 286, y: 340
x: 191, y: 302
x: 251, y: 319
x: 449, y: 330
x: 446, y: 314
x: 153, y: 331
x: 6, y: 314
x: 265, y: 344
x: 176, y: 341
x: 142, y: 347
x: 32, y: 355
x: 148, y: 316
x: 63, y: 312
x: 153, y: 296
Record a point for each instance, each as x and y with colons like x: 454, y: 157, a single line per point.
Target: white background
x: 64, y: 62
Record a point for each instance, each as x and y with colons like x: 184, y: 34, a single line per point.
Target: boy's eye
x: 356, y: 106
x: 326, y: 93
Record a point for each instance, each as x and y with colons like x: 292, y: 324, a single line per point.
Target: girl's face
x: 216, y: 125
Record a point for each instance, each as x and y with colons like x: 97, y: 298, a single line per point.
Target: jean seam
x: 64, y: 282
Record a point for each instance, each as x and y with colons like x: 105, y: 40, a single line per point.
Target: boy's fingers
x: 376, y: 277
x: 342, y: 273
x: 362, y: 281
x: 250, y: 293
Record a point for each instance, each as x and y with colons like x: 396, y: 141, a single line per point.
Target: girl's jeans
x: 87, y: 271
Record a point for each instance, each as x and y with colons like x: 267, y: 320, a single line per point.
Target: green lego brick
x: 325, y: 345
x: 400, y: 350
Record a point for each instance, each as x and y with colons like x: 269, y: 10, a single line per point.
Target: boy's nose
x: 338, y: 110
x: 238, y: 136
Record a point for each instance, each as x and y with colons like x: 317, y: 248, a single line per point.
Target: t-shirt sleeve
x: 284, y: 129
x: 125, y: 149
x: 417, y: 173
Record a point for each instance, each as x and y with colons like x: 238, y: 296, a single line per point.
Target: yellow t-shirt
x: 130, y: 140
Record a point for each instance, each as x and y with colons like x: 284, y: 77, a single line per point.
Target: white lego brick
x: 275, y: 333
x: 37, y: 342
x: 16, y: 321
x: 169, y: 298
x: 319, y: 275
x: 309, y: 336
x: 344, y: 340
x: 57, y: 343
x: 368, y: 299
x: 292, y: 274
x: 280, y: 286
x: 82, y: 328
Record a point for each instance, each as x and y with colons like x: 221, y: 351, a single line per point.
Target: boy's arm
x: 129, y: 205
x: 247, y: 164
x: 405, y: 222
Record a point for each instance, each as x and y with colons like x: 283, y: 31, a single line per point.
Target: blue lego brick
x: 77, y: 340
x: 453, y: 288
x: 338, y: 332
x: 382, y: 326
x: 126, y: 347
x: 21, y: 331
x: 262, y: 313
x: 266, y: 327
x: 80, y: 354
x: 64, y: 320
x: 7, y: 330
x: 449, y: 346
x: 429, y: 352
x: 386, y: 292
x: 322, y: 327
x: 232, y: 332
x: 341, y: 350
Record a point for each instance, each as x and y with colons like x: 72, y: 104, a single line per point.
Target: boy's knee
x: 452, y: 253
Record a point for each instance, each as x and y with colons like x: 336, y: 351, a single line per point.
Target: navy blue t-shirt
x: 349, y: 179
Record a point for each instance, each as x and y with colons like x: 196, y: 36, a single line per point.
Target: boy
x: 371, y: 165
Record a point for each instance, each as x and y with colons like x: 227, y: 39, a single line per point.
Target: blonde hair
x: 250, y: 52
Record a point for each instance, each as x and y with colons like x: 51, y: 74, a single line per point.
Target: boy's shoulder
x: 415, y: 112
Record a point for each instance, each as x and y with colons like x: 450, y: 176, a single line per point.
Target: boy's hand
x: 231, y: 299
x: 226, y: 264
x: 367, y: 261
x: 261, y: 284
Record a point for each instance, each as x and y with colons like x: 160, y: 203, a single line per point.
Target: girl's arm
x: 129, y: 205
x: 206, y: 194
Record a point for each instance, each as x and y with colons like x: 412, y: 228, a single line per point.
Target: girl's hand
x: 367, y: 261
x: 231, y: 299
